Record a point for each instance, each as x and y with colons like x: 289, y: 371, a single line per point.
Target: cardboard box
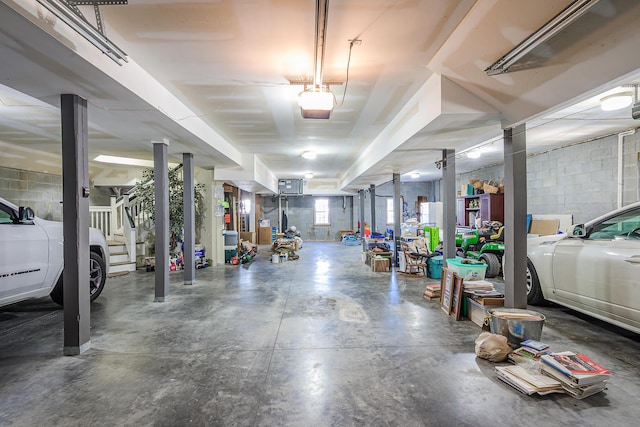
x: 380, y: 264
x: 249, y: 236
x: 544, y: 227
x: 264, y: 236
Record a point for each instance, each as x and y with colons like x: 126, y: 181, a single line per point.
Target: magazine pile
x: 580, y: 376
x: 538, y: 370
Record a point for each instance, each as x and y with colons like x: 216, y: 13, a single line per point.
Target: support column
x: 75, y: 211
x: 372, y: 193
x: 211, y: 236
x: 449, y: 203
x: 397, y: 218
x: 515, y: 217
x: 189, y: 219
x: 161, y: 184
x: 364, y: 244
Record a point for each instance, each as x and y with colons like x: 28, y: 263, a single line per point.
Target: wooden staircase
x: 119, y: 260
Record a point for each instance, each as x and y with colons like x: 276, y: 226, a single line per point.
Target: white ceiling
x: 212, y: 78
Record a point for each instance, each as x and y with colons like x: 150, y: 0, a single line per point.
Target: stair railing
x: 125, y: 216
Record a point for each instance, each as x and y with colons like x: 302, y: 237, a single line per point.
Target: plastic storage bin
x: 230, y: 253
x: 230, y: 238
x: 434, y: 267
x: 467, y: 269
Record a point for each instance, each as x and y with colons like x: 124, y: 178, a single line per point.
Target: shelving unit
x: 490, y: 207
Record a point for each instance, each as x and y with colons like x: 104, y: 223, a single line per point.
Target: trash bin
x: 516, y: 324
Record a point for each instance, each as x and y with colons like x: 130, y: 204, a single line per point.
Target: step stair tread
x: 121, y: 263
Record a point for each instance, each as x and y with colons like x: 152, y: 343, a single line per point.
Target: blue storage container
x: 434, y: 267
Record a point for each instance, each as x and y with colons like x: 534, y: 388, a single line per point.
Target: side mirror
x: 578, y: 230
x: 25, y: 214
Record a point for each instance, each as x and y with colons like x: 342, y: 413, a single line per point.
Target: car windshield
x: 626, y: 225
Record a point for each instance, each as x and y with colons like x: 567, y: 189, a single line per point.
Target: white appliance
x: 431, y: 214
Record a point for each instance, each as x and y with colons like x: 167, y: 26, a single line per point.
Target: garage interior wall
x: 409, y: 191
x: 579, y: 179
x: 300, y: 213
x: 40, y: 191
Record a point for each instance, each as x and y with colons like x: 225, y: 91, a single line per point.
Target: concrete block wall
x: 300, y: 212
x: 40, y: 191
x: 580, y: 179
x: 410, y: 192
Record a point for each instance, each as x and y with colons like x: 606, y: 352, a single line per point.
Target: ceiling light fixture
x: 474, y: 154
x: 127, y: 161
x: 558, y: 23
x: 68, y: 12
x: 616, y: 101
x: 308, y: 175
x: 415, y: 175
x: 318, y: 103
x: 310, y: 155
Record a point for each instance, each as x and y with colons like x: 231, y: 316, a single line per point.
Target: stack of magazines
x: 527, y: 381
x: 529, y: 350
x: 580, y: 376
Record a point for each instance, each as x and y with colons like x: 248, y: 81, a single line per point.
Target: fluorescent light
x: 315, y: 105
x: 616, y: 101
x: 308, y: 175
x: 474, y: 154
x: 127, y: 161
x: 309, y: 155
x: 415, y: 175
x: 558, y: 23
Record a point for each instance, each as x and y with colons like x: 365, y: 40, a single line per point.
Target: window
x: 246, y: 206
x: 6, y: 214
x: 625, y: 225
x: 390, y: 219
x: 321, y: 214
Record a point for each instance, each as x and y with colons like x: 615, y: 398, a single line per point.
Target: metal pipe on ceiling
x: 322, y: 14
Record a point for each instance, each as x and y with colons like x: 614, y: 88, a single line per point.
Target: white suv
x: 31, y: 257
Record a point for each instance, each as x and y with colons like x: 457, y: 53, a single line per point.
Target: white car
x: 31, y: 257
x: 594, y: 269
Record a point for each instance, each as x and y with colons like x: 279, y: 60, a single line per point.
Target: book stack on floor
x: 580, y: 376
x: 565, y: 372
x: 481, y: 289
x: 529, y: 350
x: 527, y: 381
x: 432, y: 292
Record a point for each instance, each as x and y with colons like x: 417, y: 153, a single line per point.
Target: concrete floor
x: 321, y: 341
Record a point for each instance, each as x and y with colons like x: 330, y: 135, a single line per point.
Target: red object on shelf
x: 227, y: 218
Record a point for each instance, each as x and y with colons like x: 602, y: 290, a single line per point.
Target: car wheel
x: 493, y: 264
x: 97, y: 278
x: 534, y: 292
